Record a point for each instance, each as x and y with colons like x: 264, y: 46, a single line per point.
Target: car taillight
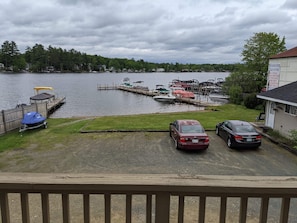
x: 237, y: 137
x: 258, y: 137
x: 206, y: 139
x: 182, y: 139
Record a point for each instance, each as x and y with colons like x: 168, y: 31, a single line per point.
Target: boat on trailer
x: 32, y: 120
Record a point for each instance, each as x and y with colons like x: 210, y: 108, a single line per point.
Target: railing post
x: 162, y: 207
x: 86, y: 198
x: 243, y: 209
x: 128, y: 208
x: 25, y: 207
x: 264, y: 209
x: 202, y: 201
x: 65, y: 207
x: 181, y: 208
x: 223, y: 209
x: 45, y: 207
x: 107, y: 206
x: 148, y: 208
x: 284, y: 214
x: 4, y: 207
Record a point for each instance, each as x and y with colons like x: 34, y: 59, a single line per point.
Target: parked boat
x: 32, y: 120
x: 53, y: 102
x: 183, y: 94
x: 161, y: 89
x: 190, y: 85
x: 165, y: 98
x: 218, y: 96
x: 126, y: 83
x: 42, y: 97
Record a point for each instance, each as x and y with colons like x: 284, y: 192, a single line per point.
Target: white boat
x: 165, y: 98
x: 161, y: 89
x: 218, y: 96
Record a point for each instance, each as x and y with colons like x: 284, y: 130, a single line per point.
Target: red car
x: 188, y: 135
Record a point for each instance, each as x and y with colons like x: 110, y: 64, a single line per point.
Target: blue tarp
x: 32, y: 118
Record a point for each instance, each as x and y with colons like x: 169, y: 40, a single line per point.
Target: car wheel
x: 217, y: 131
x: 229, y: 142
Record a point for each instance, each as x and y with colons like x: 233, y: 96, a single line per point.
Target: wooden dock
x: 178, y: 99
x: 107, y: 87
x: 54, y: 105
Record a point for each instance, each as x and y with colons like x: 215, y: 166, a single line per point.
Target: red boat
x: 181, y: 93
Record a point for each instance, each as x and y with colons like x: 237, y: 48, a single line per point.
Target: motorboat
x: 186, y: 84
x: 218, y: 96
x: 126, y: 83
x: 32, y: 120
x: 165, y: 98
x: 161, y: 89
x: 183, y: 94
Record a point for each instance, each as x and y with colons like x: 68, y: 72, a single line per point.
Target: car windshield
x: 244, y: 128
x: 192, y: 129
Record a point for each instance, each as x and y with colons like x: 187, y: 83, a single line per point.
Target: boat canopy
x: 42, y: 96
x: 37, y: 89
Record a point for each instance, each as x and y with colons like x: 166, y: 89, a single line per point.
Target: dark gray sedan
x: 238, y: 134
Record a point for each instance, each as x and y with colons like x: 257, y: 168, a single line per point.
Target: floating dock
x: 152, y: 94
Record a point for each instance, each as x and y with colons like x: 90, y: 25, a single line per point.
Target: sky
x: 159, y: 31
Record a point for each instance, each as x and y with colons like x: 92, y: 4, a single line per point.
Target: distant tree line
x: 52, y: 59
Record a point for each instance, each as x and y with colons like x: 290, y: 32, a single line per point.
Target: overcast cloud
x: 183, y: 31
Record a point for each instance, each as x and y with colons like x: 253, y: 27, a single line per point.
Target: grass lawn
x: 160, y: 121
x: 62, y: 130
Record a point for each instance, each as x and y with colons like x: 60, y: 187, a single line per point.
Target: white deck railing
x: 26, y: 197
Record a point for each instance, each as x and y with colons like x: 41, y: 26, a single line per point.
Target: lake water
x: 83, y: 98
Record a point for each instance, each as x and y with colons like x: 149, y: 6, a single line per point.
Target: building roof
x: 289, y: 53
x: 286, y: 94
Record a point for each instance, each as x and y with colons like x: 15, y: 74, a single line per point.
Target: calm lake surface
x: 83, y: 98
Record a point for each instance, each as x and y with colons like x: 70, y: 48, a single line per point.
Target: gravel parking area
x: 148, y: 153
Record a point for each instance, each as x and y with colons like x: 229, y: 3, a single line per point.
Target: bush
x: 235, y: 93
x: 251, y: 101
x: 293, y: 136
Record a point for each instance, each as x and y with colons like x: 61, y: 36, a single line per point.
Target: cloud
x: 188, y: 31
x: 290, y: 4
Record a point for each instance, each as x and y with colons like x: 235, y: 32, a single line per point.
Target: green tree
x: 19, y: 63
x: 251, y: 76
x: 37, y: 57
x: 9, y: 54
x: 259, y: 48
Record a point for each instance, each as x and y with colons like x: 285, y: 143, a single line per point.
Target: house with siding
x: 281, y: 94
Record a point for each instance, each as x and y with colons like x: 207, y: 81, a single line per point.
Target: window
x: 192, y: 129
x: 291, y: 109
